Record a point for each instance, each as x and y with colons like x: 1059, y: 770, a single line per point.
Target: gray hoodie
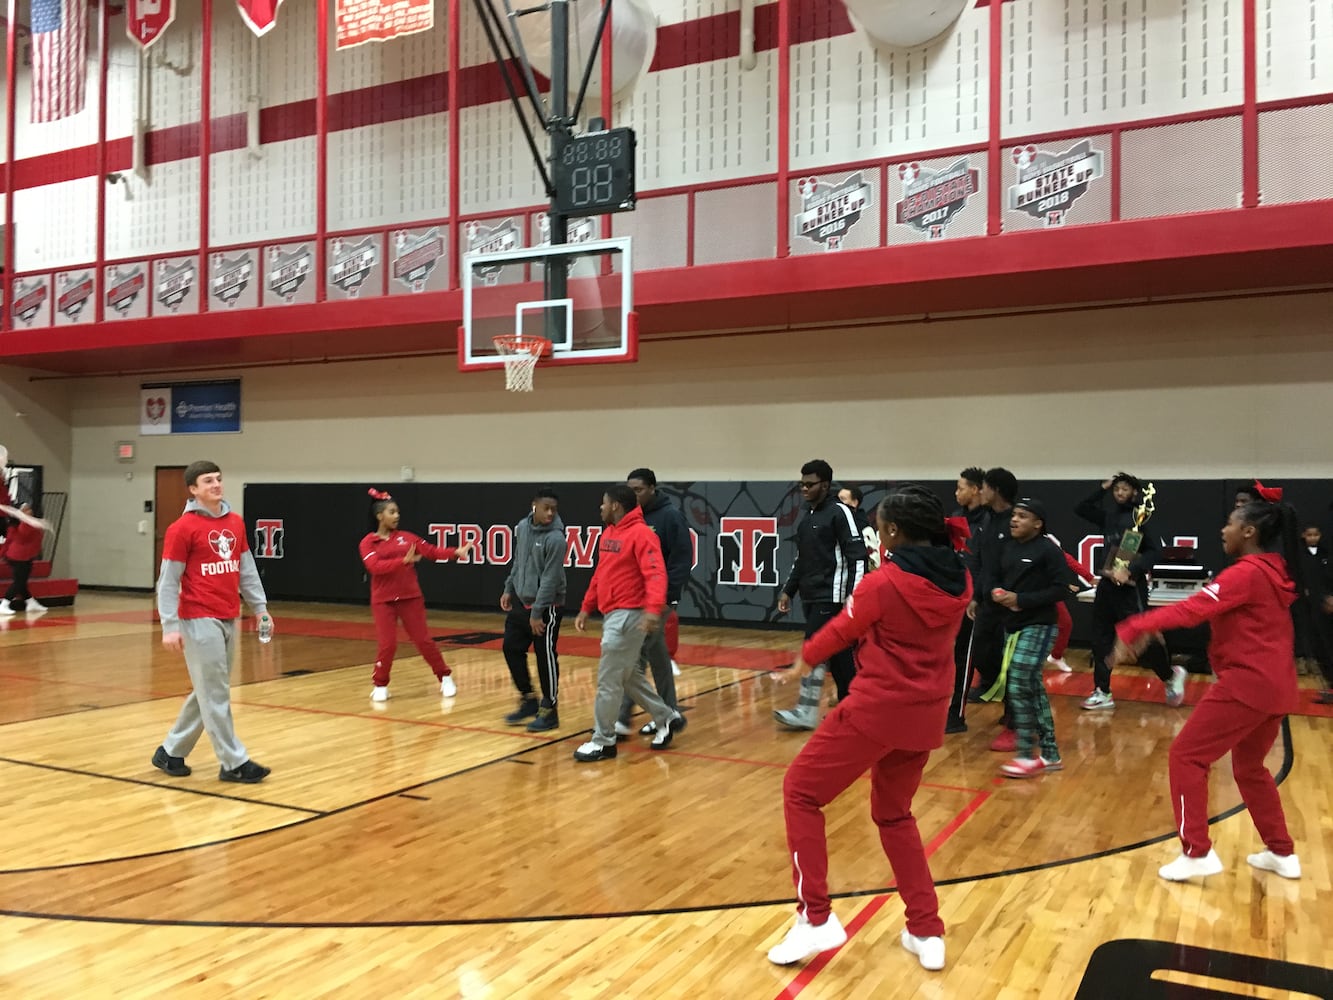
x: 169, y: 578
x: 537, y: 571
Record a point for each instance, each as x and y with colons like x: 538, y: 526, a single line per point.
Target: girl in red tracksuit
x: 20, y: 547
x: 1251, y: 653
x: 390, y: 557
x: 903, y: 618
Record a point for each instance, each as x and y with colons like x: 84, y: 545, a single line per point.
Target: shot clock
x: 594, y: 173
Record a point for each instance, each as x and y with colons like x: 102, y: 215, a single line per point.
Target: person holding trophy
x: 1119, y: 508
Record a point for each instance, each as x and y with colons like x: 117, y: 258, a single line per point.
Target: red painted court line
x: 821, y: 961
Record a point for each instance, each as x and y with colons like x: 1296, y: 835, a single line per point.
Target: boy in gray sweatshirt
x: 533, y: 598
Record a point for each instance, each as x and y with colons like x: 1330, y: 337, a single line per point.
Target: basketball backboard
x: 579, y: 296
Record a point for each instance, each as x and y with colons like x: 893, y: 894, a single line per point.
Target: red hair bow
x: 1272, y: 494
x: 378, y: 494
x: 959, y: 532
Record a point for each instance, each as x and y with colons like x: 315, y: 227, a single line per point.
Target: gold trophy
x: 1132, y: 539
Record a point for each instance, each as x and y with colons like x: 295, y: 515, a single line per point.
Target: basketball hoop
x: 521, y: 355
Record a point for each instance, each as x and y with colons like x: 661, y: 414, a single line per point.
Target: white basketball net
x: 520, y: 358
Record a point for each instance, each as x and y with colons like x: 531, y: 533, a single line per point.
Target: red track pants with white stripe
x: 1220, y: 724
x: 411, y: 611
x: 835, y: 757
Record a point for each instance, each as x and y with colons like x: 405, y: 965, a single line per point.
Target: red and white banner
x: 146, y: 20
x: 362, y: 21
x: 259, y: 15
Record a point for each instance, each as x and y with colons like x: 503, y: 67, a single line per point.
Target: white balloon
x: 905, y: 23
x: 633, y: 42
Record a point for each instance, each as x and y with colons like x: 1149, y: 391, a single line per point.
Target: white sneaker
x: 805, y: 940
x: 447, y: 686
x: 1175, y: 687
x: 1097, y: 700
x: 623, y: 730
x: 675, y: 670
x: 929, y: 951
x: 32, y: 605
x: 1060, y: 664
x: 379, y: 694
x: 1185, y: 867
x: 5, y: 609
x: 1288, y: 867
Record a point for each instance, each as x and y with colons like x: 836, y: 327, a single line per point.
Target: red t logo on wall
x: 269, y: 534
x: 747, y: 551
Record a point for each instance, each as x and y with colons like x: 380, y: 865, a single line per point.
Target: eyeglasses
x: 806, y: 484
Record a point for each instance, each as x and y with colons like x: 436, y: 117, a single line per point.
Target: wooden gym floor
x: 423, y: 848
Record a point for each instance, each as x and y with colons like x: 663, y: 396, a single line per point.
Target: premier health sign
x: 190, y: 407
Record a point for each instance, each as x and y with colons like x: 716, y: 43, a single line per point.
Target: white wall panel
x: 853, y: 99
x: 161, y: 217
x: 1295, y: 47
x: 1075, y: 63
x: 56, y: 225
x: 496, y: 168
x: 262, y: 199
x: 397, y: 171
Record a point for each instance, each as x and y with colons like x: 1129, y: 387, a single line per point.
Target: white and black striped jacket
x: 830, y: 555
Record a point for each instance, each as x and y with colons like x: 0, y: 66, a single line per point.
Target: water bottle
x: 265, y: 629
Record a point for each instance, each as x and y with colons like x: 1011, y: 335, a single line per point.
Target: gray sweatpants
x: 210, y: 648
x: 618, y: 675
x: 654, y: 654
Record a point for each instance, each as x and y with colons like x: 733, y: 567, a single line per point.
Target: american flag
x: 59, y: 54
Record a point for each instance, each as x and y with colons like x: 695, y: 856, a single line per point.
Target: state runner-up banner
x: 361, y: 21
x: 190, y: 407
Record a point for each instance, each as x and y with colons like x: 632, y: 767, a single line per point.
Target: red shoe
x: 1006, y: 742
x: 1025, y: 767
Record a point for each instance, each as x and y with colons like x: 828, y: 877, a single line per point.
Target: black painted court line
x: 1279, y: 778
x: 79, y: 772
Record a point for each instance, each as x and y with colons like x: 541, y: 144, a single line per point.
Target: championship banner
x: 259, y: 15
x: 146, y: 20
x: 362, y: 21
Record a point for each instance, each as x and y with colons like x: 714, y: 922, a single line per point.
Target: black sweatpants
x: 1112, y: 605
x: 962, y: 672
x: 18, y: 589
x: 841, y: 665
x: 519, y: 638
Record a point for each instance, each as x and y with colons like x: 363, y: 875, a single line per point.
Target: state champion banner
x: 362, y: 21
x: 212, y: 407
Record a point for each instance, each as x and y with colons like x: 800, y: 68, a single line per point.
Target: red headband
x: 959, y: 532
x: 1271, y: 494
x: 378, y: 494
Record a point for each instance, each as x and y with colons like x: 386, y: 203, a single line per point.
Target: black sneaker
x: 663, y: 738
x: 590, y: 752
x: 527, y: 708
x: 547, y: 718
x: 955, y: 725
x: 174, y: 766
x: 248, y: 773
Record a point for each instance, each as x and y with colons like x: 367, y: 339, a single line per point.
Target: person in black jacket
x: 852, y: 496
x: 999, y: 490
x: 967, y: 493
x: 1121, y: 592
x: 668, y: 524
x: 1317, y: 602
x: 830, y: 561
x: 1033, y: 580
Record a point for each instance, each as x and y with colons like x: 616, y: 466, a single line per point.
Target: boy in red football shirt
x: 206, y: 568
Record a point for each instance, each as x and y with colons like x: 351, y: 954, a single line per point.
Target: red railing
x: 881, y: 168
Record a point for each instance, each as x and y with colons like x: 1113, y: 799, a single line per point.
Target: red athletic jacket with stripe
x: 1251, y: 649
x: 903, y: 618
x: 391, y: 579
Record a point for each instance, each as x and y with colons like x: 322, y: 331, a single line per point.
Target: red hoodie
x: 630, y: 572
x: 1251, y: 646
x: 904, y: 626
x: 391, y: 579
x: 23, y: 543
